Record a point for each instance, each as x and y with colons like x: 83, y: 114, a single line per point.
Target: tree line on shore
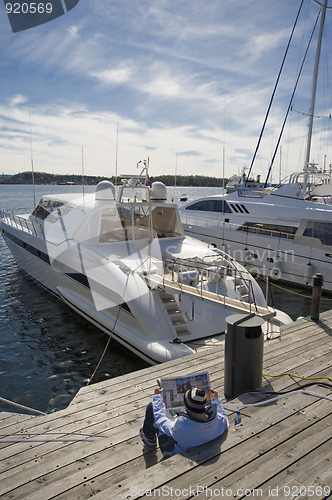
x: 91, y: 180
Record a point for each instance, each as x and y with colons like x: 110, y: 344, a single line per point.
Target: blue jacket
x: 187, y: 431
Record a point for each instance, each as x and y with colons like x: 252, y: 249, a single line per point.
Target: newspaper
x: 174, y: 388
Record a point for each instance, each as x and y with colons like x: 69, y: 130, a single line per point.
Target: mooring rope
x: 22, y: 406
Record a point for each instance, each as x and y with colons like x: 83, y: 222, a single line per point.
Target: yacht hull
x: 279, y: 260
x: 274, y: 233
x: 117, y: 321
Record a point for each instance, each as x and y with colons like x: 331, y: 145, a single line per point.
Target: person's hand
x: 213, y: 393
x: 158, y: 390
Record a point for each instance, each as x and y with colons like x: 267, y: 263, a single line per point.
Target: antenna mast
x: 31, y: 158
x: 175, y: 176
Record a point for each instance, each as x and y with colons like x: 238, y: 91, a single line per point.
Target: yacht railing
x: 23, y: 223
x: 230, y: 226
x: 188, y: 272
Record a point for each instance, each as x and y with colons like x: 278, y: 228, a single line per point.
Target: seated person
x: 197, y: 425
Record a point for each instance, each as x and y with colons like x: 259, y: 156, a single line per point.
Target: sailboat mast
x: 314, y: 81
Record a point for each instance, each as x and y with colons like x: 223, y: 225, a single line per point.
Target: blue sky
x: 184, y: 82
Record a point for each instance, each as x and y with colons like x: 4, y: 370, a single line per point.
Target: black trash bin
x: 244, y: 342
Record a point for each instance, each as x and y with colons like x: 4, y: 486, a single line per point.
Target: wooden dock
x: 92, y: 448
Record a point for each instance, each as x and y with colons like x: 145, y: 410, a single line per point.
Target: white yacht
x: 273, y: 233
x: 240, y: 181
x: 119, y: 257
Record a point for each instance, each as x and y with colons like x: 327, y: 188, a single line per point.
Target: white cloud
x: 17, y: 99
x: 115, y: 76
x: 73, y: 31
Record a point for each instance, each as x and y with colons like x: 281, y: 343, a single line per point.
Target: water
x: 47, y: 352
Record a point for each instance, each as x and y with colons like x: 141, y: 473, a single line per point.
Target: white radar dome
x: 158, y: 191
x: 105, y: 190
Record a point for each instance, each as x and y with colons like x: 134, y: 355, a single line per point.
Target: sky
x: 185, y: 83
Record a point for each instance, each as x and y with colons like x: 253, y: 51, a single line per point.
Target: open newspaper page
x: 175, y: 387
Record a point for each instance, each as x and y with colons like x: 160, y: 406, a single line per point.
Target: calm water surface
x: 47, y: 352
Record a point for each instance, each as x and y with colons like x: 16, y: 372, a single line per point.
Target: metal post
x: 318, y: 281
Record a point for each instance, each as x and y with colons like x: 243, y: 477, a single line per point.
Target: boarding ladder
x: 174, y: 313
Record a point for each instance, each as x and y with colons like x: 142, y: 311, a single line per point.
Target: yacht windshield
x: 251, y: 193
x: 52, y: 210
x: 139, y: 221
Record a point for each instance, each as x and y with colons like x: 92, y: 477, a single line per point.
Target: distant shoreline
x: 44, y: 178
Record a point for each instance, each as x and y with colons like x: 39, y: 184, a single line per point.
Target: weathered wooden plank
x: 14, y: 418
x: 198, y: 362
x: 304, y: 329
x: 153, y: 371
x: 6, y: 416
x: 87, y: 467
x: 178, y: 465
x: 258, y: 471
x: 296, y: 480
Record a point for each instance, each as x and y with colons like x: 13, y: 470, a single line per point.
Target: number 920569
x: 29, y: 8
x: 306, y: 491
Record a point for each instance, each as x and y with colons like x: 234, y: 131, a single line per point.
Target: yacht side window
x: 220, y: 206
x: 199, y: 205
x: 319, y: 230
x: 268, y: 229
x: 217, y: 206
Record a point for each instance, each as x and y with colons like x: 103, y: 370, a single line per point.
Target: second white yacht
x: 276, y: 234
